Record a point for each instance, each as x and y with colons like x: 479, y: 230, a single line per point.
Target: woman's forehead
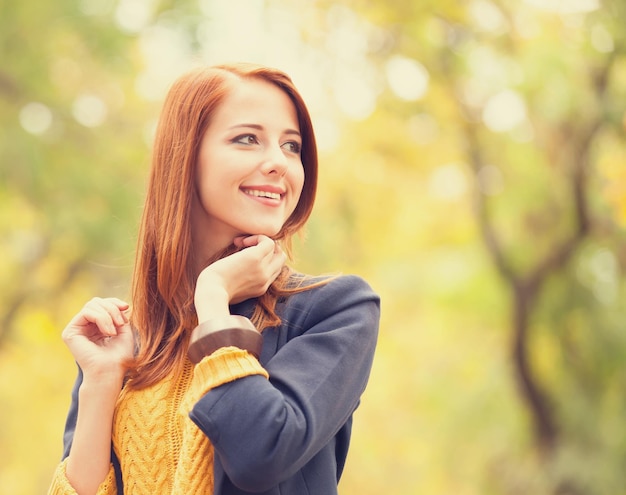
x: 253, y: 100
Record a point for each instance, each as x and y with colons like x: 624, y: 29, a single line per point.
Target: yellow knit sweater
x: 160, y: 449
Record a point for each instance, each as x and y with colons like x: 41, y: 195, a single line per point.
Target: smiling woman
x: 232, y: 374
x: 250, y: 174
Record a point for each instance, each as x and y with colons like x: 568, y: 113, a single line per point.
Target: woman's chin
x: 268, y: 231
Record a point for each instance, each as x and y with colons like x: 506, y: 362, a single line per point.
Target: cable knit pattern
x: 61, y: 486
x: 160, y: 449
x: 223, y: 366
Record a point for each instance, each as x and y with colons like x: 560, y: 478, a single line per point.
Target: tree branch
x: 8, y: 87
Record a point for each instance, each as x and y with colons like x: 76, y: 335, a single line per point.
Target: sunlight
x: 487, y: 16
x: 268, y: 35
x: 565, y: 7
x: 407, y: 78
x: 599, y: 271
x: 504, y: 111
x: 166, y: 55
x: 132, y: 16
x: 447, y: 182
x: 601, y: 39
x: 233, y: 30
x: 89, y: 110
x: 354, y: 96
x: 35, y: 118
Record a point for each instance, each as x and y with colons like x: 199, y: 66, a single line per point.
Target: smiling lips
x: 263, y: 194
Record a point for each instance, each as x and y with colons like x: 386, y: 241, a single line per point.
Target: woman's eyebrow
x: 253, y: 126
x: 260, y: 128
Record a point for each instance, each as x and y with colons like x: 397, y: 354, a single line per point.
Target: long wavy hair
x: 163, y: 281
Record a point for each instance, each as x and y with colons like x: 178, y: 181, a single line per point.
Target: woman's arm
x: 89, y: 459
x: 101, y: 341
x: 264, y: 431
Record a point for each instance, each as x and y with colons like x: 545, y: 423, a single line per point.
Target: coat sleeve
x: 266, y: 430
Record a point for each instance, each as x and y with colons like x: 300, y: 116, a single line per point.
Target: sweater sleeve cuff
x: 61, y: 486
x: 222, y: 366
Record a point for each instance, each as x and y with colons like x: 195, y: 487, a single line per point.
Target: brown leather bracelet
x: 233, y: 330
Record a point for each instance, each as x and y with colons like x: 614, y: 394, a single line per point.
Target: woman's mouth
x: 262, y: 194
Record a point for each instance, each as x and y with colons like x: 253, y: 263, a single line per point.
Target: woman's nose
x: 275, y: 161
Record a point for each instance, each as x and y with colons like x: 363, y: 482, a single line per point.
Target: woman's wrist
x: 103, y: 380
x: 211, y: 303
x: 231, y: 330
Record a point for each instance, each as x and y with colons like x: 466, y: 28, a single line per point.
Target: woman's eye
x: 292, y: 147
x: 246, y: 139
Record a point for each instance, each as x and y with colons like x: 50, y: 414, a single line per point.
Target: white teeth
x: 262, y: 194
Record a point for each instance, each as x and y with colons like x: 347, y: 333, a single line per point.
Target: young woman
x: 233, y: 374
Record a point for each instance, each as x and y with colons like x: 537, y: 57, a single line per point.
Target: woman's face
x: 249, y: 174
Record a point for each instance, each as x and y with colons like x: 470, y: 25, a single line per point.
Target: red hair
x: 163, y: 280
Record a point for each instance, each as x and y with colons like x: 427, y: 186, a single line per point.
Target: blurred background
x: 473, y: 170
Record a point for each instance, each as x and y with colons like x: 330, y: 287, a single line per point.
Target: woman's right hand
x: 244, y: 274
x: 100, y: 338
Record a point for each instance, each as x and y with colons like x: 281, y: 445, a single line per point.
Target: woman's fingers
x: 271, y: 257
x: 115, y: 308
x: 106, y: 314
x: 244, y: 274
x: 100, y: 337
x: 258, y: 240
x: 277, y: 261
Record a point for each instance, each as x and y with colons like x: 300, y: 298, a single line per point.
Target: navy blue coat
x: 289, y: 435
